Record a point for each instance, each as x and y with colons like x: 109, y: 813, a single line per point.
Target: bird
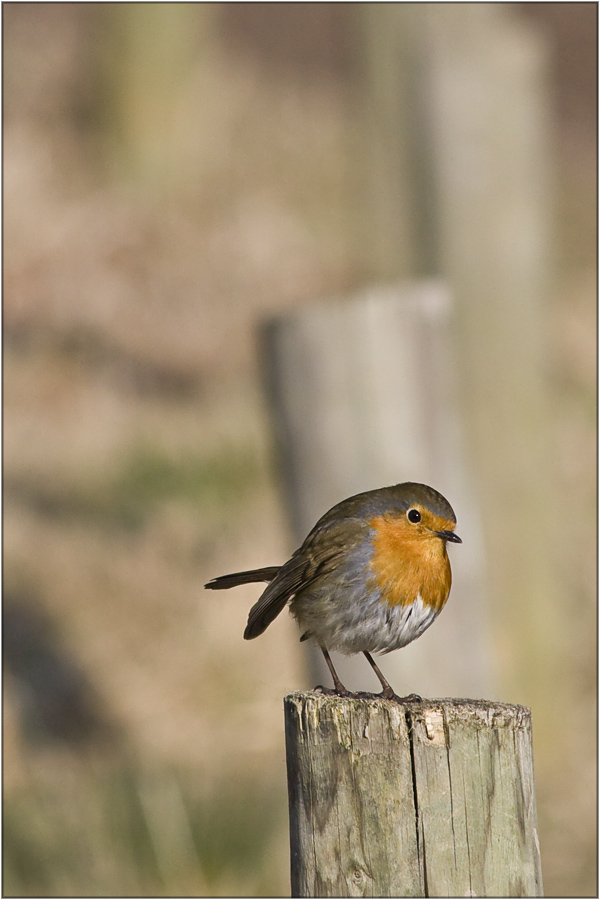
x: 370, y: 577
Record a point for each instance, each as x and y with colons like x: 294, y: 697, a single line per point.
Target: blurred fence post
x: 390, y: 245
x: 431, y: 799
x: 457, y: 151
x: 362, y: 392
x: 486, y: 101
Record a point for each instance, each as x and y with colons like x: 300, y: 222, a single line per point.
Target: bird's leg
x: 339, y: 688
x: 388, y: 691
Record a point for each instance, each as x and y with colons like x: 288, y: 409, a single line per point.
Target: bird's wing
x: 268, y: 606
x: 321, y: 552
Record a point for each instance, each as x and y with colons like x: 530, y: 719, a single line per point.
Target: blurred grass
x: 142, y: 832
x: 147, y: 478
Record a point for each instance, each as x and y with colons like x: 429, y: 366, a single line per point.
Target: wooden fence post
x: 419, y: 799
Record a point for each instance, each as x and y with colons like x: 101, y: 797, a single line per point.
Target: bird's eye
x: 413, y: 516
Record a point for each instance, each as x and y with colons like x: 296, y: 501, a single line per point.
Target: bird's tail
x: 228, y: 581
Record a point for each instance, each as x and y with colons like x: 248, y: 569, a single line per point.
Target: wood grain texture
x: 434, y: 798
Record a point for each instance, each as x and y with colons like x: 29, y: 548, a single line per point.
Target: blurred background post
x: 174, y: 176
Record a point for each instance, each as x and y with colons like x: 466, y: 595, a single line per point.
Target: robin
x: 370, y: 577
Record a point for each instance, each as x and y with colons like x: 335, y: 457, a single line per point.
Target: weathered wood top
x: 419, y: 798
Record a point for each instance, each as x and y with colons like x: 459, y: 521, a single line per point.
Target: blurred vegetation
x: 137, y: 832
x: 146, y: 478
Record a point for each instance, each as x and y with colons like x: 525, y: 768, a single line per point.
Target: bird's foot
x: 411, y: 698
x: 334, y: 692
x: 388, y: 693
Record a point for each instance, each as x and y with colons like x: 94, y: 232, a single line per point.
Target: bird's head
x: 418, y: 512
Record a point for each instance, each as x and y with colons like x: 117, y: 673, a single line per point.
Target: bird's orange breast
x: 405, y: 564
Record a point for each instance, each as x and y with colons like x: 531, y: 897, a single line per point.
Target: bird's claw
x: 333, y: 692
x: 366, y: 695
x: 389, y: 694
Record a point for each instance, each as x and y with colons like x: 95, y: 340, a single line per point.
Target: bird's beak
x: 449, y: 536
